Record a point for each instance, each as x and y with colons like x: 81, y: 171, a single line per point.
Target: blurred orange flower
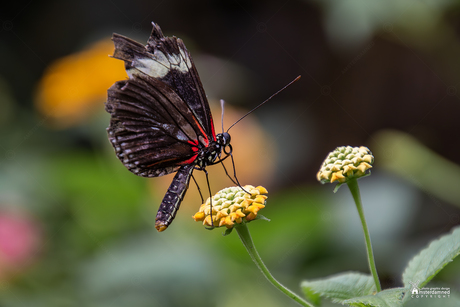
x: 74, y: 86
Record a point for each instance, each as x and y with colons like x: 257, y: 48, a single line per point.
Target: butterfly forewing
x: 160, y: 118
x: 168, y: 60
x: 184, y: 78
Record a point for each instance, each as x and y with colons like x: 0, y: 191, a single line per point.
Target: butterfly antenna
x: 222, y: 102
x: 296, y: 79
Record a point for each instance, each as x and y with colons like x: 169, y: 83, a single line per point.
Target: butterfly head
x: 210, y: 154
x: 223, y: 139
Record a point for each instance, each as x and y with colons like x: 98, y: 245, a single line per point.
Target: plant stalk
x: 354, y: 189
x: 245, y: 236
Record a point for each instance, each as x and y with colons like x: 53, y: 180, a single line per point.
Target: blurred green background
x: 76, y: 228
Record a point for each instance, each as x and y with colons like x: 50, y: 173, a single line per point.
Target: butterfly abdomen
x: 173, y: 197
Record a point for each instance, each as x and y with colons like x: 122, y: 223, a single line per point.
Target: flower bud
x: 345, y: 163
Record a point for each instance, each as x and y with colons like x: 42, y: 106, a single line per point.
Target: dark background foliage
x: 372, y: 73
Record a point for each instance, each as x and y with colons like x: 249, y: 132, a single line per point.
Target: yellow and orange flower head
x: 232, y: 205
x: 345, y: 163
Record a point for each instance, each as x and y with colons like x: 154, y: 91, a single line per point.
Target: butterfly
x: 160, y: 121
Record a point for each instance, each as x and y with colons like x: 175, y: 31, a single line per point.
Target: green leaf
x: 261, y: 217
x: 386, y: 298
x: 312, y: 296
x: 227, y: 231
x: 339, y: 287
x: 337, y: 187
x: 423, y: 267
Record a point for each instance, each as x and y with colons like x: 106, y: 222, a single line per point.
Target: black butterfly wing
x: 167, y: 59
x: 160, y: 118
x: 151, y: 129
x: 185, y: 79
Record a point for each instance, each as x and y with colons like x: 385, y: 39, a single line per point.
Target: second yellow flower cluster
x: 344, y: 163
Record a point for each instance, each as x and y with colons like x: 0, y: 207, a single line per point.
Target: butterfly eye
x: 226, y: 139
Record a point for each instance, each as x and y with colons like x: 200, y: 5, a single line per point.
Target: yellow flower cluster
x: 232, y: 205
x: 344, y: 163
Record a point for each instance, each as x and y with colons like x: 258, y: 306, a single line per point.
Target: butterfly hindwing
x: 151, y: 129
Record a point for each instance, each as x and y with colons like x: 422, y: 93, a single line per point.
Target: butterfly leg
x: 210, y: 196
x: 173, y: 197
x: 234, y: 174
x: 226, y: 173
x: 234, y: 170
x: 199, y: 190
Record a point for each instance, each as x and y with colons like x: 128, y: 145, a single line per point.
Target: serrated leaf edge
x: 421, y: 284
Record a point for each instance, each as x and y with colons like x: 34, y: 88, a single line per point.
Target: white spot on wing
x: 160, y: 58
x: 177, y: 62
x: 151, y: 67
x: 185, y: 57
x: 174, y: 59
x: 160, y: 64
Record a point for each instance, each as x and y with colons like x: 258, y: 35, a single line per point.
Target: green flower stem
x: 245, y: 236
x: 354, y: 189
